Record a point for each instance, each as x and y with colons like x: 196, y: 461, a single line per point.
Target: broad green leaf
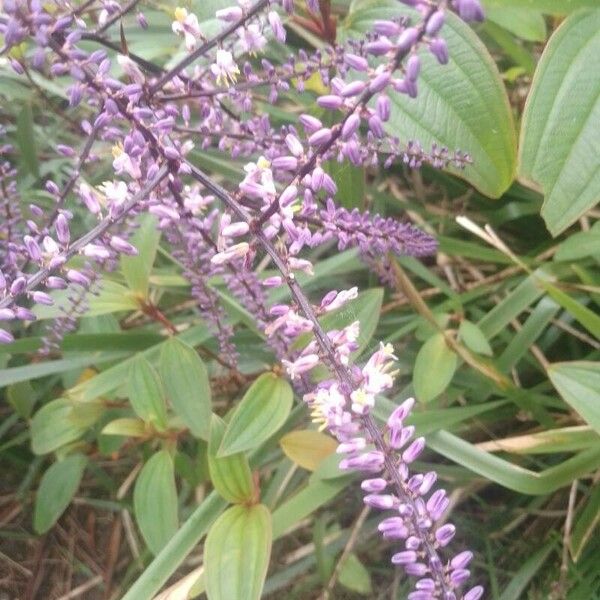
x: 57, y: 423
x: 186, y: 382
x: 155, y: 501
x: 578, y: 383
x: 26, y: 140
x: 559, y: 147
x: 350, y: 181
x: 474, y: 339
x: 237, y: 552
x: 580, y: 245
x: 307, y: 448
x: 21, y: 396
x: 57, y: 488
x: 261, y: 412
x: 462, y: 105
x: 586, y: 522
x: 526, y: 23
x: 136, y: 269
x: 125, y: 427
x: 355, y: 576
x: 434, y: 368
x: 230, y: 475
x: 555, y: 7
x: 146, y: 394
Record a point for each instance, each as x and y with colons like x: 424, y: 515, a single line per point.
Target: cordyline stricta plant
x: 283, y: 204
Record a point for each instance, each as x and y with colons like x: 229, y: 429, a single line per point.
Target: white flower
x: 116, y: 192
x: 224, y: 68
x: 186, y: 24
x: 131, y: 69
x: 251, y: 38
x: 124, y: 163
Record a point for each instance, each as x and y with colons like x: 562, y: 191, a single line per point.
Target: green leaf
x: 262, y: 411
x: 580, y: 245
x: 587, y: 520
x: 350, y: 181
x: 474, y: 338
x: 125, y: 427
x: 146, y: 394
x: 578, y: 383
x: 307, y: 447
x: 434, y: 368
x: 57, y: 423
x: 355, y: 576
x: 462, y: 105
x: 560, y: 148
x: 26, y: 140
x: 57, y: 488
x: 137, y: 269
x: 186, y: 382
x: 237, y: 552
x: 230, y: 475
x: 21, y: 396
x: 155, y: 501
x: 528, y: 24
x: 555, y: 7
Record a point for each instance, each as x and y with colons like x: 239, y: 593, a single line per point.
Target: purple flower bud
x: 352, y: 446
x: 122, y: 246
x: 353, y: 89
x: 413, y: 543
x: 18, y: 286
x: 329, y: 185
x: 413, y: 67
x: 413, y: 451
x: 24, y: 314
x: 141, y: 19
x: 285, y: 163
x: 322, y: 136
x: 460, y: 561
x: 310, y: 123
x: 399, y: 436
x: 358, y: 63
x: 62, y: 229
x: 416, y: 569
x: 7, y: 314
x: 56, y: 283
x: 288, y: 195
x: 404, y: 558
x: 96, y: 251
x: 407, y: 39
x: 370, y: 461
x: 381, y: 501
x: 383, y: 107
x: 421, y: 595
x: 380, y: 81
x: 231, y: 14
x: 33, y: 248
x: 439, y: 49
x: 274, y: 281
x: 459, y: 576
x: 352, y: 152
x: 65, y: 150
x: 376, y: 126
x: 435, y: 23
x: 235, y: 229
x: 6, y: 337
x: 351, y: 124
x: 445, y: 534
x: 474, y: 593
x: 42, y: 298
x: 379, y: 47
x: 294, y: 145
x: 2, y: 282
x: 388, y: 28
x: 317, y: 178
x: 77, y: 277
x: 469, y: 10
x: 374, y: 485
x: 428, y: 480
x: 277, y: 26
x: 427, y: 584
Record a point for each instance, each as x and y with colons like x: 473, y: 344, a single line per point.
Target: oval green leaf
x: 155, y: 501
x: 146, y: 394
x: 560, y: 147
x: 434, y: 368
x: 231, y: 475
x: 474, y: 339
x: 185, y: 378
x: 262, y: 411
x: 237, y: 552
x: 57, y: 488
x: 462, y: 105
x: 578, y: 383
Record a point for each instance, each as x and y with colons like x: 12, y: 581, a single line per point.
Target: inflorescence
x: 153, y: 118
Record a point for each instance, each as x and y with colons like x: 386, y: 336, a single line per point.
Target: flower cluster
x: 284, y: 204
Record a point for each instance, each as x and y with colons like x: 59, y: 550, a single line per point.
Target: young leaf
x: 237, y: 552
x: 262, y: 411
x: 230, y: 475
x: 578, y: 382
x: 307, y: 448
x: 565, y: 160
x: 136, y: 269
x: 474, y: 339
x: 434, y: 368
x: 355, y: 576
x: 57, y: 488
x: 155, y: 501
x: 186, y: 382
x: 146, y: 394
x: 125, y: 427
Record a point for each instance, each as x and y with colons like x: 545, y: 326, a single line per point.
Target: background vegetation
x: 497, y: 337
